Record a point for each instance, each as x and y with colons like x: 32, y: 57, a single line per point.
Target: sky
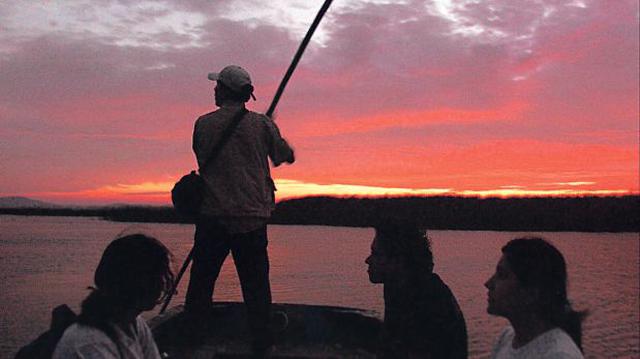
x: 436, y: 97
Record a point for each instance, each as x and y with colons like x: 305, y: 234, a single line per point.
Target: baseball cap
x: 234, y: 77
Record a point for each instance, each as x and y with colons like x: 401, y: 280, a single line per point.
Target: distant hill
x: 580, y: 214
x: 24, y: 202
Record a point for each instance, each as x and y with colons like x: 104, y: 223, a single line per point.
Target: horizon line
x: 334, y: 196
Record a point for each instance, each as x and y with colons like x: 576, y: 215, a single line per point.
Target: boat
x: 313, y: 331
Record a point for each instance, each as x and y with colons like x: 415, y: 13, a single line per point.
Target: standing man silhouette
x: 238, y: 201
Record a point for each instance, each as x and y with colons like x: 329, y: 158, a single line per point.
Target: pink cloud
x: 394, y: 97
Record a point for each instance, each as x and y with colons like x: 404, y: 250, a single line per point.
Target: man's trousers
x: 249, y: 250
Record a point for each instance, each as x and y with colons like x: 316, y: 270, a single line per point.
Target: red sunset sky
x: 511, y: 98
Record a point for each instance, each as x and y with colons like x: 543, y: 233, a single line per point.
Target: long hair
x: 134, y: 273
x: 407, y: 240
x: 538, y: 264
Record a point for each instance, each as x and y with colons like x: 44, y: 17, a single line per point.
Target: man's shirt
x: 423, y: 318
x: 238, y: 182
x: 86, y: 342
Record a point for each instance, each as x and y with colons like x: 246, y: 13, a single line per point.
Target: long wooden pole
x: 186, y: 263
x: 297, y: 57
x: 272, y: 107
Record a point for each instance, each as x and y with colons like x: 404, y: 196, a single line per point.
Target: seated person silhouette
x: 422, y: 318
x: 529, y: 289
x: 133, y: 276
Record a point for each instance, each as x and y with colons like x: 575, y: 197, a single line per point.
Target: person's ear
x: 530, y: 296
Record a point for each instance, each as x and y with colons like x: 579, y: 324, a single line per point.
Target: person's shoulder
x: 265, y: 123
x: 436, y: 287
x: 506, y: 336
x: 85, y: 340
x: 260, y: 117
x: 207, y: 116
x: 140, y: 321
x: 435, y: 277
x: 436, y: 281
x: 141, y: 325
x: 560, y: 345
x: 502, y: 345
x: 80, y: 332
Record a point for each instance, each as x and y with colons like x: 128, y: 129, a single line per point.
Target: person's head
x: 399, y: 250
x: 134, y: 273
x: 531, y: 279
x: 233, y: 85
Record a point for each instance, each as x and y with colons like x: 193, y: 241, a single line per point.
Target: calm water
x: 46, y: 261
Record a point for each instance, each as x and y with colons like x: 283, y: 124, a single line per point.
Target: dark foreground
x: 313, y: 332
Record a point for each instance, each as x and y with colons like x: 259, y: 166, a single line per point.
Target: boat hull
x: 312, y: 332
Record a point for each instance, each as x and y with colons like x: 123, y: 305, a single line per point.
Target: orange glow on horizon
x: 158, y: 193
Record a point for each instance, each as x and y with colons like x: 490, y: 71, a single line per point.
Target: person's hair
x: 407, y: 240
x: 133, y: 268
x: 242, y: 96
x: 537, y: 264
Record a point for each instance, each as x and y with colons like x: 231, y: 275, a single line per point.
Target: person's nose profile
x: 487, y: 284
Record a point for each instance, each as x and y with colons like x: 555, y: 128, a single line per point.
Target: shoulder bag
x: 187, y: 194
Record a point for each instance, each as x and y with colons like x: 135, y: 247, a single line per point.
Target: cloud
x: 465, y: 95
x: 541, y: 193
x: 155, y: 24
x: 409, y: 119
x: 572, y: 184
x: 82, y: 112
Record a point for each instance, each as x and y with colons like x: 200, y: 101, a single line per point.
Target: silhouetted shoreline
x: 580, y: 214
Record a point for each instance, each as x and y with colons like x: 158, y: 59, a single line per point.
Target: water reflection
x: 45, y: 261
